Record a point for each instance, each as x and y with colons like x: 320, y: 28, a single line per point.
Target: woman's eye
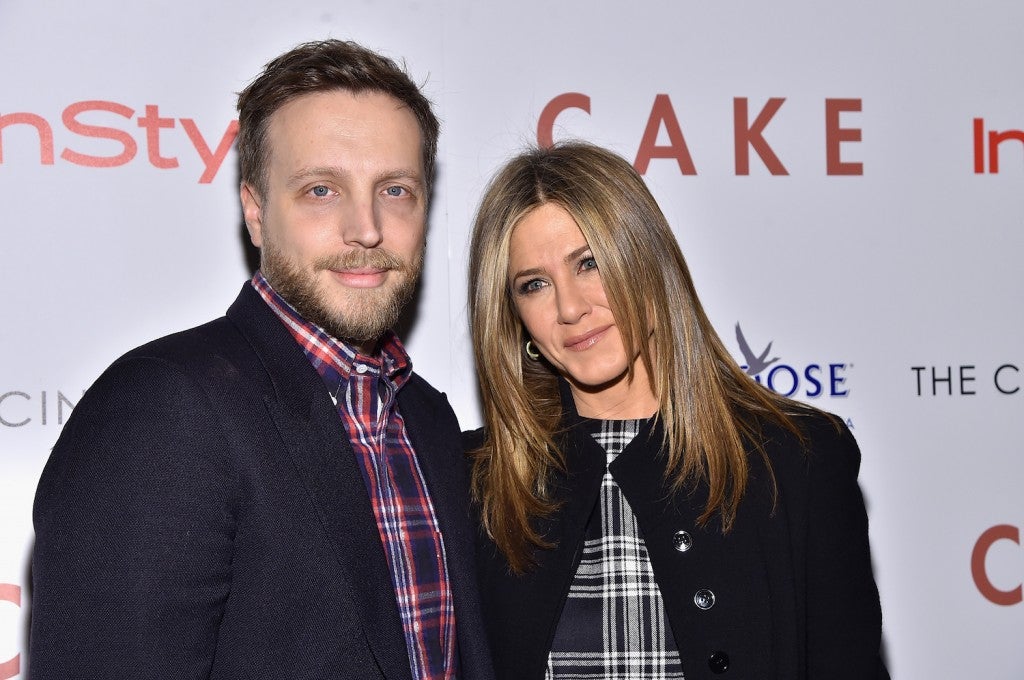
x: 320, y: 191
x: 531, y: 286
x: 588, y: 263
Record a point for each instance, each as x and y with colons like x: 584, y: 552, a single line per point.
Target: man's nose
x: 361, y: 225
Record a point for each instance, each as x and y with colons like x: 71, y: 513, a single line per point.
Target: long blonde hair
x: 708, y: 407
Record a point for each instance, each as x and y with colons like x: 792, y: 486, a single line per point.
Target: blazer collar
x: 301, y: 410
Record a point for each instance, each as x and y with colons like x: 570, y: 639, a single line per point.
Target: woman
x: 647, y: 510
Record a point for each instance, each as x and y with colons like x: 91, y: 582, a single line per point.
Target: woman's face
x: 560, y: 299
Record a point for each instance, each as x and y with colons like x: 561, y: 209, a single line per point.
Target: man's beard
x: 363, y: 314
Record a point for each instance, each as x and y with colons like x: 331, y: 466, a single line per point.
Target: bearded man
x: 276, y: 494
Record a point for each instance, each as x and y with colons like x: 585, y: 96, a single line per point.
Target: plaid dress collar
x: 613, y: 623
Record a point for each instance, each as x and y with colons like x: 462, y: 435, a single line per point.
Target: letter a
x: 662, y: 113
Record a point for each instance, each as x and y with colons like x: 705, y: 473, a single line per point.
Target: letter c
x: 978, y: 555
x: 11, y: 423
x: 999, y: 385
x: 11, y: 667
x: 546, y: 122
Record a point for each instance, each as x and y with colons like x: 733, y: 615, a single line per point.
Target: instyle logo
x: 105, y: 120
x: 19, y: 408
x: 12, y: 594
x: 979, y: 565
x: 967, y: 380
x: 747, y: 135
x: 995, y: 139
x: 807, y: 381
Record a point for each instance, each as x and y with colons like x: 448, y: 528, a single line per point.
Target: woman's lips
x: 581, y: 343
x: 363, y: 277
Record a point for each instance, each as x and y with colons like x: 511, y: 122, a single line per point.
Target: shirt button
x: 682, y: 541
x: 361, y: 368
x: 718, y: 662
x: 704, y: 599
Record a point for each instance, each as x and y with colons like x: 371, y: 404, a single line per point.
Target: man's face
x: 341, y: 225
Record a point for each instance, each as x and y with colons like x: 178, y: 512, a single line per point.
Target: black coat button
x: 718, y: 662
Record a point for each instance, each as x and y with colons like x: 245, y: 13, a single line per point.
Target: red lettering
x: 994, y: 140
x: 70, y: 118
x: 41, y: 126
x: 213, y: 160
x: 662, y: 113
x: 152, y: 122
x: 546, y: 122
x: 747, y: 136
x: 988, y: 537
x: 11, y: 667
x: 979, y: 146
x: 835, y: 135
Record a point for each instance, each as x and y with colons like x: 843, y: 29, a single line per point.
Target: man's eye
x: 320, y: 191
x: 395, y: 191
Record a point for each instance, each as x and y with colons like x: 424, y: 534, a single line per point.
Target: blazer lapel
x: 436, y: 439
x: 317, y: 443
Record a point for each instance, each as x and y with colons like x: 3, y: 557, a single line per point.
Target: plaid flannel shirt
x: 365, y: 391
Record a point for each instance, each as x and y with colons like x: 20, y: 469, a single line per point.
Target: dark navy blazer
x: 203, y: 516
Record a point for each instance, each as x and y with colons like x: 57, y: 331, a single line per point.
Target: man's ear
x: 252, y: 211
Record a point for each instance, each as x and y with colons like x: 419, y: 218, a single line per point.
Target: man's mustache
x: 366, y: 258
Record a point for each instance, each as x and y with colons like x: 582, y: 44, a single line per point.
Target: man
x: 276, y: 494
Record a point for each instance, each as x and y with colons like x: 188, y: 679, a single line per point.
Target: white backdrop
x: 117, y: 227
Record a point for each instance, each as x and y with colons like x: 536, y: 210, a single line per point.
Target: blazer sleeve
x: 134, y: 521
x: 844, y: 616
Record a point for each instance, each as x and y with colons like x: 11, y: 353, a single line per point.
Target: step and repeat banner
x: 846, y: 181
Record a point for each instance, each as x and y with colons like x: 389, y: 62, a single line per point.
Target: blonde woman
x: 647, y: 510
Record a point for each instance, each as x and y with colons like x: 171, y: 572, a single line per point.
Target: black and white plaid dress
x: 613, y: 625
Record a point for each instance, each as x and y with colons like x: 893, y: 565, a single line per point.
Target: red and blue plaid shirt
x: 365, y: 390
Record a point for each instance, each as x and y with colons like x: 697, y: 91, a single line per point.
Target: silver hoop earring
x: 531, y: 351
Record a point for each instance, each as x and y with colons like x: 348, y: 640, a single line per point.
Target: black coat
x: 203, y: 516
x: 794, y: 595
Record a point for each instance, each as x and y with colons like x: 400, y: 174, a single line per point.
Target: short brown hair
x: 317, y: 67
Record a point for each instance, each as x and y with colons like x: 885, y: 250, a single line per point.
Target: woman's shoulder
x: 822, y: 446
x: 809, y: 428
x: 473, y: 439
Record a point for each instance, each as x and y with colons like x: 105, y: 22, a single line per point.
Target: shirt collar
x: 323, y: 349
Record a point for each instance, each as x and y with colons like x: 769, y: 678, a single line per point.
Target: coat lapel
x: 531, y: 604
